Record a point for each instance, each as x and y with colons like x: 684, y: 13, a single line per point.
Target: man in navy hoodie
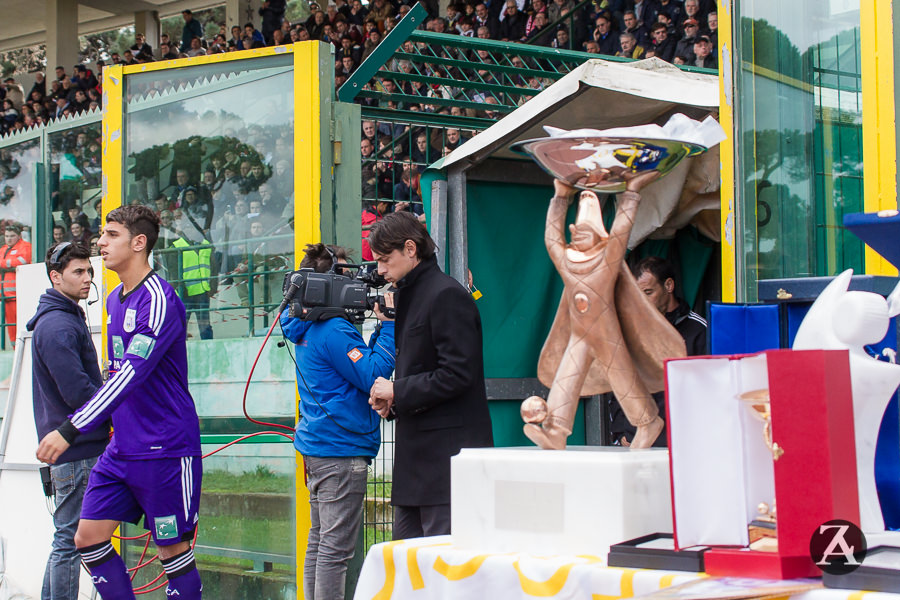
x: 65, y: 375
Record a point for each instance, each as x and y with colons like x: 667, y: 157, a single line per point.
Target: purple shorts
x: 165, y: 491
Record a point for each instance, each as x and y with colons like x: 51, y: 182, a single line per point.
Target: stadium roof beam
x: 27, y: 23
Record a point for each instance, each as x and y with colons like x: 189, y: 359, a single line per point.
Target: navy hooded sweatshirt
x: 65, y: 372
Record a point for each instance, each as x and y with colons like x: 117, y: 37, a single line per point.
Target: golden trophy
x: 758, y: 401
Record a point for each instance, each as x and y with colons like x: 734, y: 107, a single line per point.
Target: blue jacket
x: 65, y: 372
x: 336, y: 372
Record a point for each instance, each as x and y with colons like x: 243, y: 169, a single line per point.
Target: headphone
x: 96, y: 289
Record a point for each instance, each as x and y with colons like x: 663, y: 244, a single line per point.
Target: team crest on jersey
x: 130, y: 315
x: 166, y: 527
x: 354, y: 355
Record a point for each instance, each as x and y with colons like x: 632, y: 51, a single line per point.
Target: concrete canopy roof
x: 24, y: 21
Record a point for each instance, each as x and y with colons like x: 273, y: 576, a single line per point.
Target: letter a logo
x: 838, y: 547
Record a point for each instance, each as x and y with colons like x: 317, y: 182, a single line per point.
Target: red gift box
x: 721, y: 467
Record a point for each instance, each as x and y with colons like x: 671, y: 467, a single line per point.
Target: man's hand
x: 563, y: 189
x: 388, y: 302
x: 51, y: 447
x: 381, y: 396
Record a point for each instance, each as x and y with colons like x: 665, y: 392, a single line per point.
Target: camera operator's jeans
x: 337, y: 487
x: 64, y: 565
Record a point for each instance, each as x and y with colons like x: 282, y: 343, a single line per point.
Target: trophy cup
x: 604, y: 161
x: 758, y: 401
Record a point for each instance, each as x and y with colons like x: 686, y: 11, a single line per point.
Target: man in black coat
x: 437, y: 397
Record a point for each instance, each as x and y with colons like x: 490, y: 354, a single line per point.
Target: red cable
x: 249, y: 377
x: 141, y: 559
x: 249, y: 435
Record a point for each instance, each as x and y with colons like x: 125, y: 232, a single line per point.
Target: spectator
x: 315, y: 25
x: 712, y: 28
x: 685, y: 46
x: 15, y: 253
x: 272, y: 12
x: 628, y: 47
x: 14, y: 92
x: 538, y: 7
x: 374, y: 212
x: 80, y: 235
x: 592, y: 47
x: 671, y: 9
x: 663, y: 46
x: 358, y: 13
x: 692, y: 11
x: 604, y: 36
x: 255, y: 36
x: 59, y: 234
x: 703, y: 55
x: 181, y: 184
x: 166, y: 52
x: 141, y: 46
x: 85, y: 78
x: 558, y: 8
x: 61, y: 74
x: 192, y: 29
x: 381, y: 9
x: 40, y: 85
x: 636, y: 28
x: 196, y: 48
x: 483, y: 19
x: 512, y: 27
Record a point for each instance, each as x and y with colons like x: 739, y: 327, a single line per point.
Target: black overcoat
x: 440, y: 404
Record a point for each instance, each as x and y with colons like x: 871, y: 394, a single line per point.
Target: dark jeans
x: 421, y: 521
x: 200, y: 303
x: 64, y: 565
x: 337, y: 487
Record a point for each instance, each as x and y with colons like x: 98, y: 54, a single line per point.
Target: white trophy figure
x: 844, y: 320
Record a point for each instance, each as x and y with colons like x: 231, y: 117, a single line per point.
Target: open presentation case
x: 722, y: 467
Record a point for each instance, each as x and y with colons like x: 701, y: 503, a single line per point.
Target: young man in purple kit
x: 151, y: 468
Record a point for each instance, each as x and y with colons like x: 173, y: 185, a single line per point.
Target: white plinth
x: 577, y: 501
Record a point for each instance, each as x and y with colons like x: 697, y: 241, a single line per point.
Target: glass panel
x: 141, y: 84
x: 74, y: 185
x: 801, y: 153
x: 17, y: 181
x: 246, y: 542
x: 216, y: 161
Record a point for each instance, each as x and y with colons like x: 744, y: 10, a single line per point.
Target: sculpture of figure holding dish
x: 606, y: 336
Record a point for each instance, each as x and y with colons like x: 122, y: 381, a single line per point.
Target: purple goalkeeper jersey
x: 147, y: 395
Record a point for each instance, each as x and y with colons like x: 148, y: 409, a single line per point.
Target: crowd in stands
x: 683, y: 32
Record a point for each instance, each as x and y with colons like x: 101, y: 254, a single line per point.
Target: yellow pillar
x: 879, y: 135
x: 726, y: 153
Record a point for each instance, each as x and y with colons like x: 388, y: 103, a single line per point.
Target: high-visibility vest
x: 195, y: 268
x: 10, y: 258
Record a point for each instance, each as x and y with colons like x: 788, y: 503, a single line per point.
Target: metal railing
x: 251, y: 268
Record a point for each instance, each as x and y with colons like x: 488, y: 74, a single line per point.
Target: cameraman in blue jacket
x: 338, y: 433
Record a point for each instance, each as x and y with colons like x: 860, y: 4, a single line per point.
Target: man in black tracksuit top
x: 656, y: 278
x: 65, y: 374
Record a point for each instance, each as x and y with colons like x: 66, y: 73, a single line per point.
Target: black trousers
x: 421, y: 521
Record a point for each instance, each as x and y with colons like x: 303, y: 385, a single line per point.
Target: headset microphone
x: 97, y: 299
